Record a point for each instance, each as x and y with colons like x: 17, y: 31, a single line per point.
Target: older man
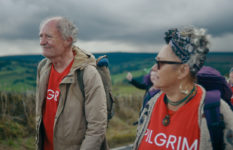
x: 65, y: 119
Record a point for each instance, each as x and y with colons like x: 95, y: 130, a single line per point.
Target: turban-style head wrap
x: 190, y: 45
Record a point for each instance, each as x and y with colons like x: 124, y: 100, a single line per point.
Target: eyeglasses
x: 160, y: 62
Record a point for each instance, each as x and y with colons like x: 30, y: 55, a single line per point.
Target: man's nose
x: 43, y: 40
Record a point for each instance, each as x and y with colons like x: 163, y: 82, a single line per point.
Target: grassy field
x: 17, y: 118
x: 17, y: 76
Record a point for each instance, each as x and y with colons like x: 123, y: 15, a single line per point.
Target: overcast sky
x: 114, y: 25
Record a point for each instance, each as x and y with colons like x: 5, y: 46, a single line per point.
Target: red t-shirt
x: 183, y: 131
x: 51, y: 104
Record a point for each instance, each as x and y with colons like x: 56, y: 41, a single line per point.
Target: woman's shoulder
x: 155, y: 97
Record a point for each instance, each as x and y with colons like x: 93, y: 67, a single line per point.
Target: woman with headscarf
x: 174, y: 118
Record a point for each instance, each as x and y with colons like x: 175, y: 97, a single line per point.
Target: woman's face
x: 231, y: 77
x: 165, y: 70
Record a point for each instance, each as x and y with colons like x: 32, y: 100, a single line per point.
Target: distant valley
x: 18, y: 73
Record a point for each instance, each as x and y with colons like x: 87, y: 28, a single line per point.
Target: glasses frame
x: 159, y: 62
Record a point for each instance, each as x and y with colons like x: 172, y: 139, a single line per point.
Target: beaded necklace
x: 166, y: 119
x: 180, y: 101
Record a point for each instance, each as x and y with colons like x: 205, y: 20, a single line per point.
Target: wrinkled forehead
x: 49, y: 25
x: 166, y: 53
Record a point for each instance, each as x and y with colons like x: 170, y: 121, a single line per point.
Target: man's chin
x: 47, y: 55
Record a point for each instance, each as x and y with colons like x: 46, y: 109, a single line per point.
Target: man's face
x: 51, y: 40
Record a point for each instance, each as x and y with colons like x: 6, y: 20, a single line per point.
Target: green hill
x: 18, y: 73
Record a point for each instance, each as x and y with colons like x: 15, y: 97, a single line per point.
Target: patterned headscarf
x: 190, y: 45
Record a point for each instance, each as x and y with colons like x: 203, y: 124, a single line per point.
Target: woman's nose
x: 155, y: 67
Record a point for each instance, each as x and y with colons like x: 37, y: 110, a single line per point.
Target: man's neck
x: 60, y: 63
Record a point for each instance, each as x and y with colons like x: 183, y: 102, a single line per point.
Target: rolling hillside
x: 17, y: 107
x: 18, y: 73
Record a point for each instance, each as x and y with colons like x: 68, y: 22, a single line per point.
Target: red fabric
x: 232, y: 95
x: 51, y: 104
x: 183, y: 131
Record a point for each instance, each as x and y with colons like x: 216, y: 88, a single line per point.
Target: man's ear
x: 68, y: 41
x: 183, y: 71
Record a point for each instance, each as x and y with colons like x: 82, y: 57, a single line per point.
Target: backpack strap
x: 81, y: 86
x: 214, y: 118
x: 80, y: 81
x: 104, y: 145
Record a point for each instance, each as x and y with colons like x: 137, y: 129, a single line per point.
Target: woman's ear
x: 183, y: 71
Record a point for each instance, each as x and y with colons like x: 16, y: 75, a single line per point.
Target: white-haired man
x: 65, y: 119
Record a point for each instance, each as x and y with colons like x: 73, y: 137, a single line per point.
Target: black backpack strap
x: 81, y: 86
x: 214, y: 118
x: 80, y: 81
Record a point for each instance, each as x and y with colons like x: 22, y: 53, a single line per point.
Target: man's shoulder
x: 42, y: 63
x: 90, y: 70
x: 82, y: 59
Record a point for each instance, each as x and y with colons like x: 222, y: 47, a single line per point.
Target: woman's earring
x: 186, y: 92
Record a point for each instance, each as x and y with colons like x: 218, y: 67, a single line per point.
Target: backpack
x: 216, y: 88
x: 102, y: 67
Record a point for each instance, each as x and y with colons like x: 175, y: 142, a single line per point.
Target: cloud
x: 222, y: 43
x: 110, y: 46
x: 124, y: 25
x: 19, y: 47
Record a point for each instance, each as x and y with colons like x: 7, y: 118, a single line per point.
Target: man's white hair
x: 65, y: 27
